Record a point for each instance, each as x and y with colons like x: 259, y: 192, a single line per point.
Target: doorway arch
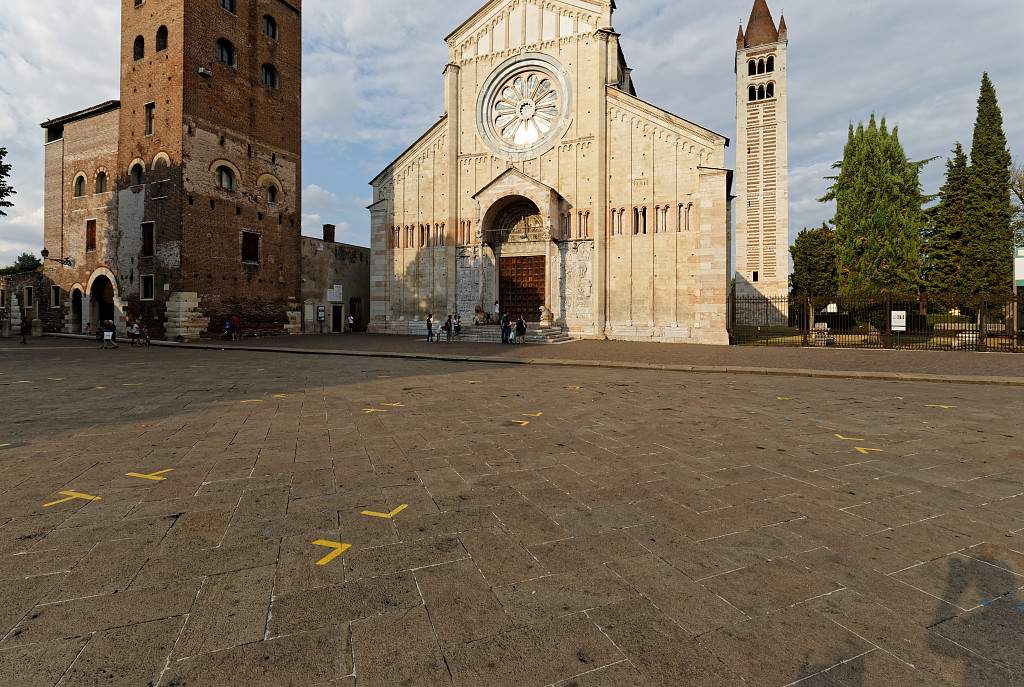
x: 103, y: 300
x: 515, y: 229
x: 75, y: 321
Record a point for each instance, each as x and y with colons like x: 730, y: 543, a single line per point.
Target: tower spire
x: 783, y: 31
x: 761, y: 27
x: 741, y: 41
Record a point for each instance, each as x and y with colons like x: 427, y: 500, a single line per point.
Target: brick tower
x: 209, y: 161
x: 762, y: 158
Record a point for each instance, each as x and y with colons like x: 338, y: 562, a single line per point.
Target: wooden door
x: 521, y: 286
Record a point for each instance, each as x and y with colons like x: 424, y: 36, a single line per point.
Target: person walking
x: 351, y: 324
x: 430, y: 328
x: 506, y: 329
x: 236, y: 328
x: 520, y: 330
x: 449, y: 329
x: 26, y: 329
x: 458, y: 325
x: 133, y: 334
x: 109, y: 334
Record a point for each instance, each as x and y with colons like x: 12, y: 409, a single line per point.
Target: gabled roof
x: 83, y: 114
x: 426, y: 134
x: 596, y: 6
x: 512, y: 171
x: 761, y: 27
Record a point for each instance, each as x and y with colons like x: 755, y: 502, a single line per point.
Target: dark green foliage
x: 5, y: 190
x: 26, y: 262
x: 814, y: 263
x: 944, y: 235
x: 988, y: 235
x: 879, y: 215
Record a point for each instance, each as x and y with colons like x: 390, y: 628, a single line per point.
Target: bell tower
x: 762, y: 156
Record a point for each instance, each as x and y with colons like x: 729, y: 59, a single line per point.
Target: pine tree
x: 879, y: 216
x: 5, y: 190
x: 814, y: 263
x: 943, y: 239
x: 988, y: 236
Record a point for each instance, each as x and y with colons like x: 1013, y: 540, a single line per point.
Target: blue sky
x: 372, y: 84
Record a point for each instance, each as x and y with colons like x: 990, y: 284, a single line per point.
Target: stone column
x: 601, y: 202
x: 452, y: 90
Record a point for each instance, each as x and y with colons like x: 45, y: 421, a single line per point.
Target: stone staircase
x: 535, y: 334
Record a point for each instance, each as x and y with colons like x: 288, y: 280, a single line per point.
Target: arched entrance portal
x: 75, y: 323
x: 101, y: 301
x: 514, y: 227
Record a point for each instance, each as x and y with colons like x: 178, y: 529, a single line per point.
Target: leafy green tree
x: 26, y: 262
x: 1017, y: 187
x: 814, y: 263
x: 879, y: 213
x: 5, y: 190
x: 988, y: 234
x: 944, y: 235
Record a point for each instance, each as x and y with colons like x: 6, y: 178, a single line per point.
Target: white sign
x: 899, y: 320
x: 334, y: 295
x: 1018, y: 268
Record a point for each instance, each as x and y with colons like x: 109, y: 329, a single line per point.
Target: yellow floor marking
x: 865, y: 451
x: 100, y: 388
x: 71, y: 496
x: 339, y: 548
x: 383, y: 376
x: 532, y: 414
x: 152, y: 477
x: 521, y: 423
x: 842, y: 438
x: 132, y: 384
x: 280, y: 395
x: 386, y: 516
x: 4, y: 445
x: 253, y: 400
x: 936, y: 405
x: 393, y: 405
x: 574, y: 388
x: 373, y: 410
x: 784, y: 398
x: 55, y: 379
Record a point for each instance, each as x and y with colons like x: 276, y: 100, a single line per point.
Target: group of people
x: 233, y: 328
x: 452, y: 328
x: 513, y: 332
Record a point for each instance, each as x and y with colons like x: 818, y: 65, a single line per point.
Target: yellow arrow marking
x: 865, y: 451
x: 393, y: 405
x: 152, y: 477
x: 71, y: 496
x: 521, y: 423
x: 842, y: 438
x: 339, y: 548
x: 532, y: 414
x: 386, y: 516
x: 936, y: 405
x: 374, y: 410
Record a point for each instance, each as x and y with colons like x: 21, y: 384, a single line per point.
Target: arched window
x: 680, y: 218
x: 101, y: 182
x: 760, y: 66
x: 689, y: 217
x: 760, y: 92
x: 269, y: 76
x: 225, y: 52
x: 161, y: 39
x: 229, y: 5
x: 636, y: 221
x: 79, y: 186
x: 272, y: 194
x: 269, y: 27
x: 225, y: 178
x: 622, y: 221
x: 643, y: 220
x: 770, y: 64
x: 753, y: 93
x: 770, y: 91
x: 139, y: 49
x: 751, y: 68
x: 137, y: 174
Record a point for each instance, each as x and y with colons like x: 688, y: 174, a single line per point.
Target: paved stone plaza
x: 486, y: 524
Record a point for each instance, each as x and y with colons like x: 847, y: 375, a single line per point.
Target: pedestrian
x: 458, y: 325
x: 109, y: 334
x: 133, y: 334
x: 144, y: 335
x: 236, y: 327
x: 26, y: 329
x: 506, y: 330
x: 497, y: 312
x: 88, y: 329
x: 351, y: 323
x: 449, y: 329
x: 430, y: 328
x: 520, y: 330
x: 228, y: 336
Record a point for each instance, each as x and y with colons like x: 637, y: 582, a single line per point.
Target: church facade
x: 550, y: 188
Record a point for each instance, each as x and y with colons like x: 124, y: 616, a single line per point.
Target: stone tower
x: 762, y: 157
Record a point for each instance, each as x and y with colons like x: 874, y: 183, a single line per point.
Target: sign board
x: 899, y: 320
x: 321, y: 313
x: 1018, y: 268
x: 334, y: 294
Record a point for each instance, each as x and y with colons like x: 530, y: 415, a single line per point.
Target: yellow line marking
x: 936, y: 405
x: 574, y: 388
x: 254, y: 400
x: 386, y: 516
x: 280, y: 395
x: 374, y: 410
x: 152, y: 477
x: 842, y: 438
x: 339, y: 548
x: 393, y: 405
x: 383, y: 376
x: 784, y: 398
x: 521, y: 423
x: 4, y: 445
x: 865, y: 451
x: 132, y: 384
x: 71, y: 496
x: 100, y: 388
x: 532, y: 414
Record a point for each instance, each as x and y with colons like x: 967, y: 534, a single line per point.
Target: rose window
x: 526, y: 110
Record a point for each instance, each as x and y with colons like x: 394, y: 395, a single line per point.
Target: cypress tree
x: 943, y: 239
x: 879, y: 216
x: 988, y: 236
x: 814, y: 263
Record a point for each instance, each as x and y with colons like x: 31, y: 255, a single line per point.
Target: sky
x: 372, y: 84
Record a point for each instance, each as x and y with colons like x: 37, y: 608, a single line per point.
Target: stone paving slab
x: 315, y: 520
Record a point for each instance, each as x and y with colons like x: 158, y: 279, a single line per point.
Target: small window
x: 148, y: 239
x: 90, y: 235
x: 137, y: 174
x: 269, y: 75
x: 225, y: 178
x: 272, y: 194
x: 770, y: 91
x: 101, y: 182
x: 760, y: 66
x: 754, y: 277
x: 751, y: 68
x: 79, y: 186
x: 752, y: 94
x: 636, y: 221
x: 269, y: 27
x: 760, y: 92
x: 139, y: 48
x: 229, y: 5
x: 29, y: 297
x: 148, y: 287
x: 150, y: 115
x: 55, y: 296
x: 250, y: 247
x: 161, y: 39
x: 225, y: 52
x: 770, y: 64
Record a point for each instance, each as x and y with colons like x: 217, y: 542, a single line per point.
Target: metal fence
x: 917, y: 323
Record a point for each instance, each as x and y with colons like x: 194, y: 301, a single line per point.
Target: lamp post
x: 66, y: 262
